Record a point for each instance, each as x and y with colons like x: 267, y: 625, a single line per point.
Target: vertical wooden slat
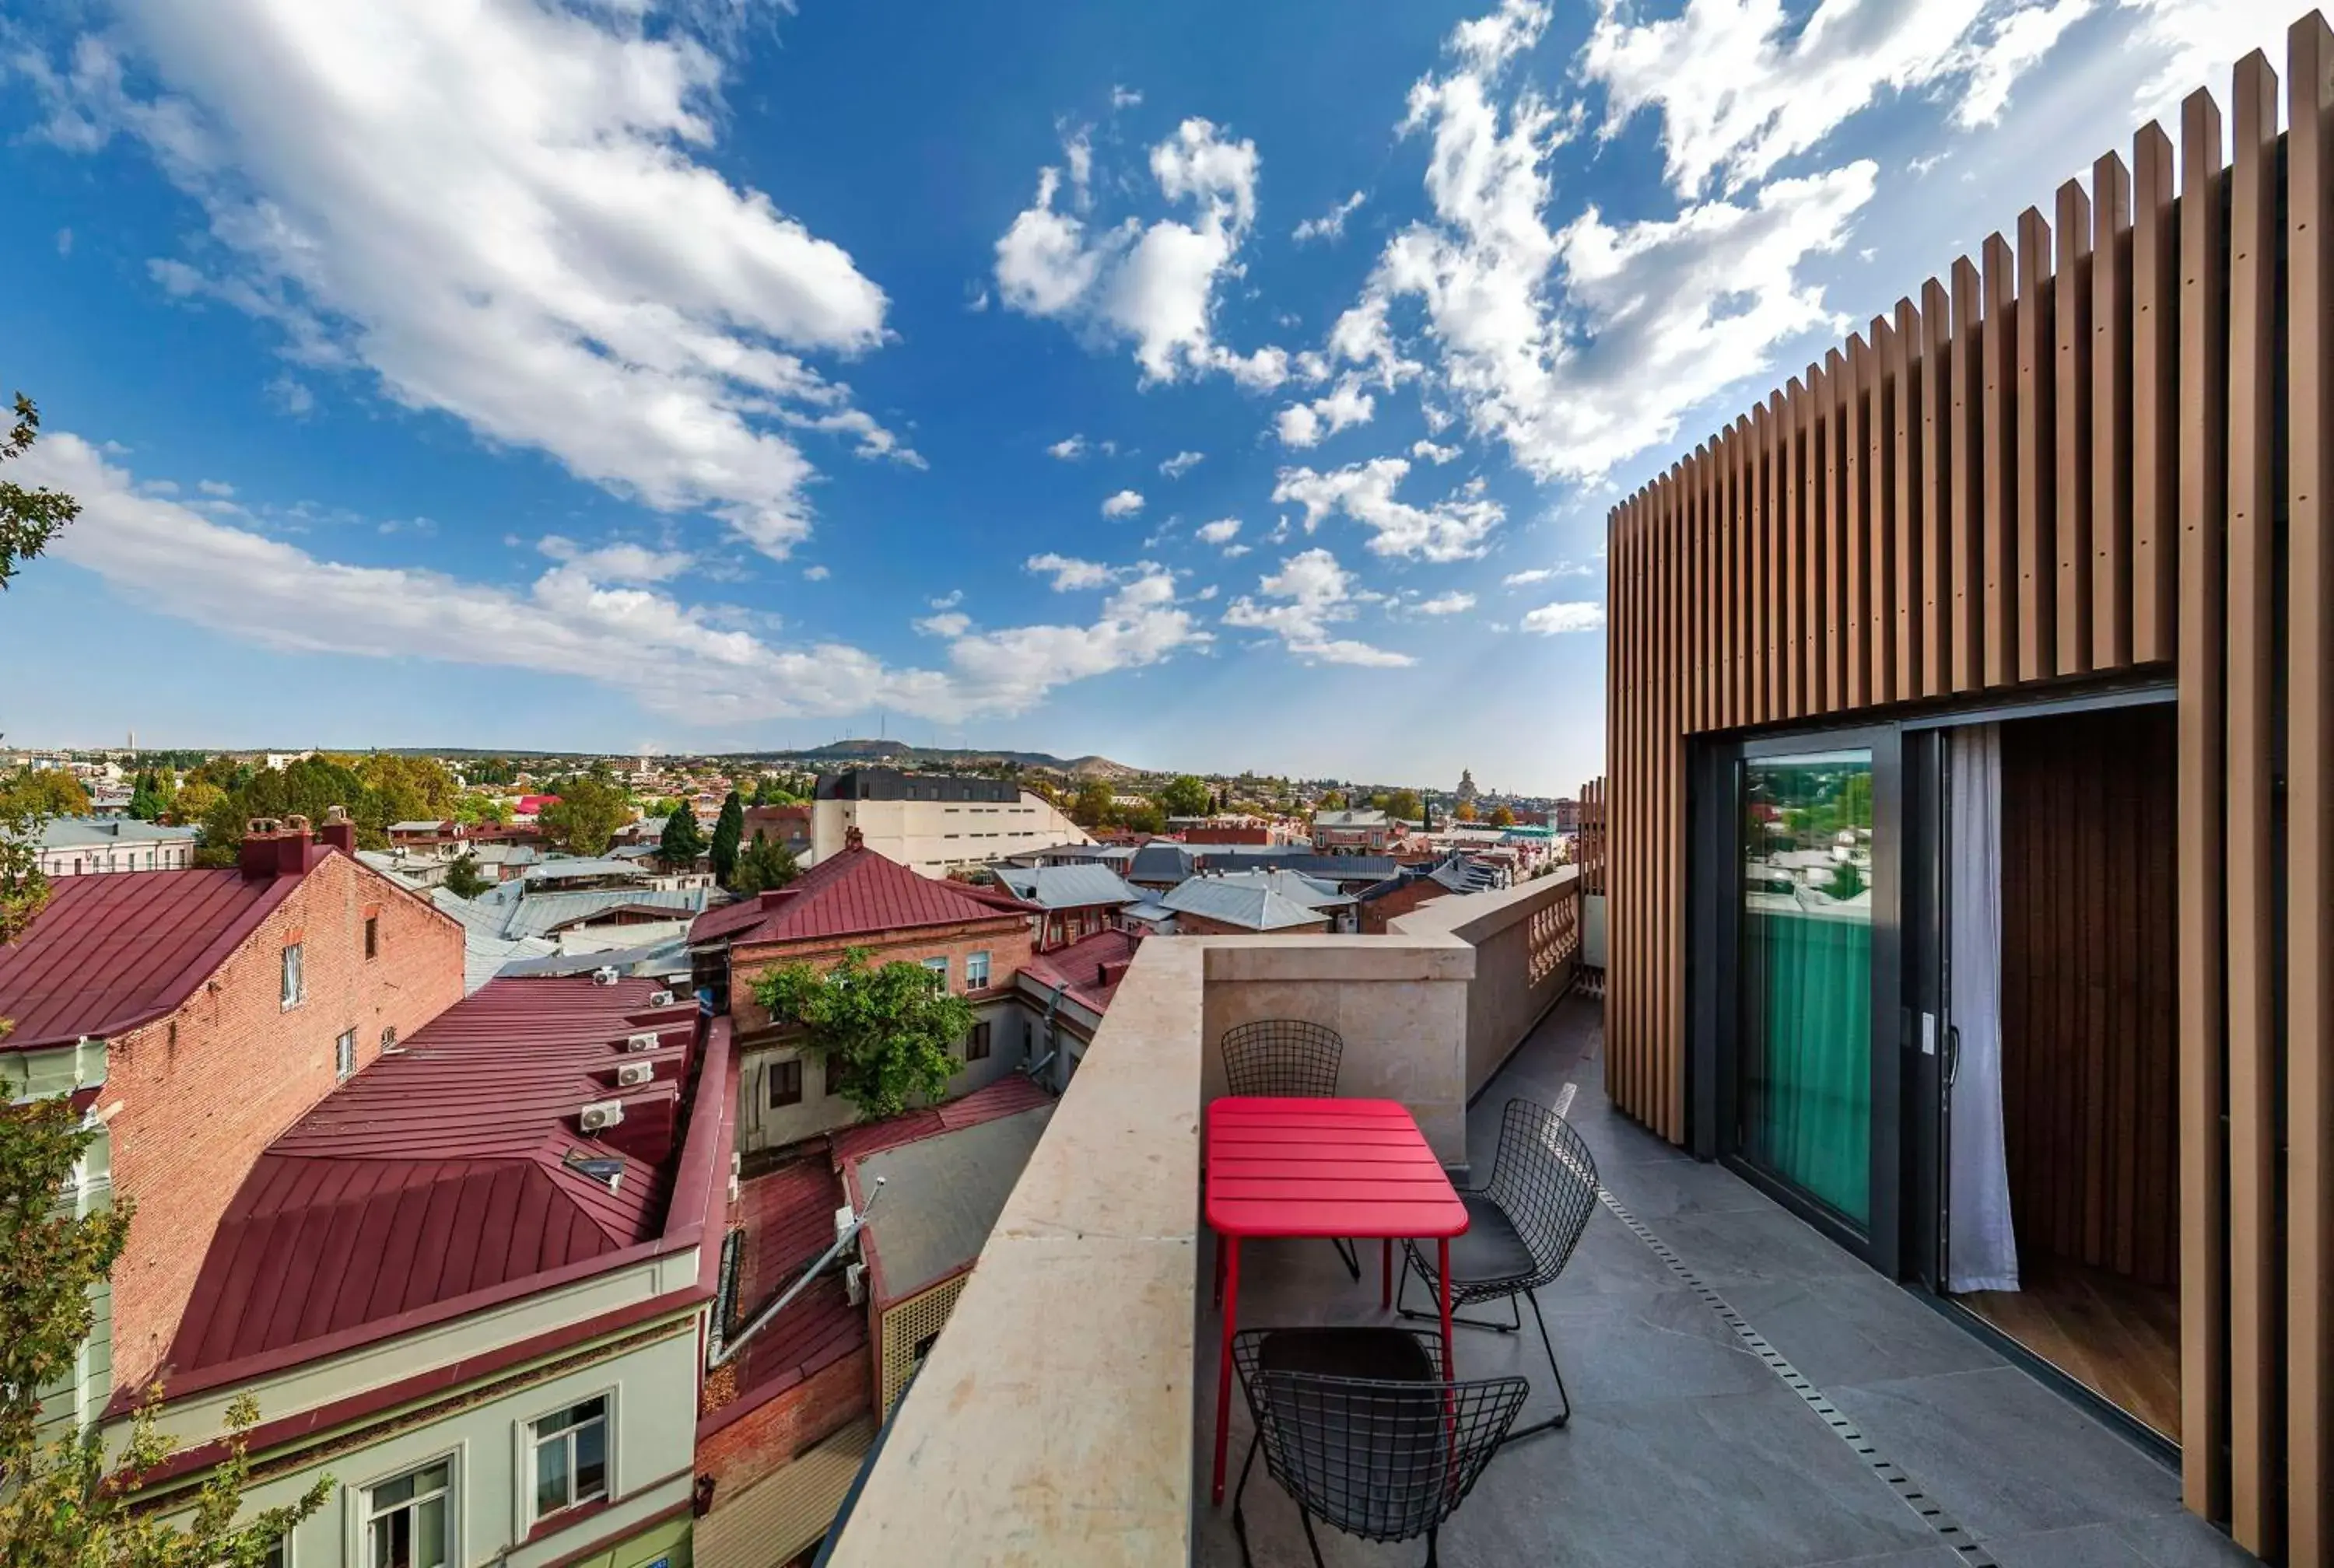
x: 2309, y: 793
x: 1854, y: 532
x: 1790, y: 591
x: 1936, y: 492
x: 1879, y: 548
x: 1628, y: 775
x: 1905, y: 431
x: 1965, y: 480
x: 1834, y: 410
x: 1762, y: 562
x: 2111, y: 457
x: 2203, y: 427
x: 1997, y: 465
x: 1722, y: 606
x: 1746, y: 497
x: 2071, y: 311
x: 1669, y: 714
x: 2256, y: 1412
x: 2038, y: 475
x: 2155, y: 291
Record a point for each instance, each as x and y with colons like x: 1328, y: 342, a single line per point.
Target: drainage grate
x: 1908, y: 1491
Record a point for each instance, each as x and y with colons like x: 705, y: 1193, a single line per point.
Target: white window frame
x: 292, y: 975
x: 360, y: 1513
x: 970, y: 961
x: 939, y: 966
x: 344, y: 1055
x: 523, y: 1445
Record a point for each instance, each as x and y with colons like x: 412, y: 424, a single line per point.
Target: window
x: 408, y: 1522
x: 389, y: 1036
x: 785, y: 1082
x: 976, y: 1044
x: 571, y: 1457
x: 344, y: 1055
x: 939, y: 966
x: 373, y: 936
x: 278, y: 1553
x: 976, y: 971
x: 295, y: 990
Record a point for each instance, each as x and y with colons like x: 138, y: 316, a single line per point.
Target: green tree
x: 1466, y: 812
x: 729, y: 832
x: 1186, y: 795
x: 776, y: 790
x: 463, y: 878
x: 403, y: 789
x: 151, y: 799
x: 1503, y: 816
x: 195, y: 799
x: 1146, y: 818
x: 586, y: 815
x: 766, y: 863
x: 474, y: 807
x: 888, y: 1034
x: 51, y: 790
x: 23, y: 891
x: 65, y: 1505
x: 1847, y: 881
x: 309, y: 788
x: 29, y: 519
x: 1334, y: 801
x: 682, y: 843
x: 1405, y: 805
x: 1093, y: 804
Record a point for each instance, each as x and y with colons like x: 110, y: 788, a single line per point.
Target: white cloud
x: 815, y: 574
x: 502, y: 211
x: 1125, y: 97
x: 1155, y: 284
x: 1312, y: 592
x: 947, y: 623
x: 1223, y: 530
x: 292, y: 396
x: 165, y: 556
x: 1544, y: 573
x: 1429, y: 452
x: 1069, y: 572
x: 64, y: 242
x: 217, y: 487
x: 1450, y: 530
x: 1125, y: 504
x: 1181, y: 463
x: 618, y: 562
x: 1330, y: 225
x: 1069, y: 449
x: 1305, y: 424
x: 1234, y: 552
x: 1566, y: 615
x: 1446, y: 604
x: 949, y: 601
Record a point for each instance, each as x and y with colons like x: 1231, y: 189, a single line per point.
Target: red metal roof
x: 788, y: 1217
x: 1080, y: 966
x: 1008, y: 1096
x: 114, y: 951
x: 853, y: 893
x: 440, y: 1170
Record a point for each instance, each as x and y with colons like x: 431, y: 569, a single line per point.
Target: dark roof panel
x: 853, y: 893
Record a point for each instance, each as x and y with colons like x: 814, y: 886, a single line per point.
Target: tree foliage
x: 1186, y: 795
x: 195, y: 800
x: 23, y: 889
x: 1466, y: 812
x: 63, y: 1504
x: 50, y: 791
x: 1093, y: 804
x: 29, y: 518
x: 151, y: 795
x: 766, y: 863
x: 1334, y: 801
x: 729, y: 832
x: 586, y: 815
x: 681, y: 842
x: 1503, y: 816
x: 473, y: 807
x: 463, y: 878
x: 1404, y: 804
x: 888, y: 1032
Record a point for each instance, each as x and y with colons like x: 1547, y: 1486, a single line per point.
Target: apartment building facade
x: 934, y: 822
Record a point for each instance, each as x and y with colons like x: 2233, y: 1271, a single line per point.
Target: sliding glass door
x: 1804, y: 977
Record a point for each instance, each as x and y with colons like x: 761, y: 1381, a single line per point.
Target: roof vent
x: 660, y: 998
x: 854, y: 1283
x: 845, y: 1218
x: 599, y: 1167
x: 601, y: 1114
x: 646, y: 1039
x: 632, y: 1074
x: 604, y: 976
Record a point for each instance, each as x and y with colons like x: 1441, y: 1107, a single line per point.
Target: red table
x: 1321, y: 1168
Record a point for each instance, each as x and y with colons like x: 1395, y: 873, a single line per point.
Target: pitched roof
x: 945, y: 1194
x: 1009, y: 1095
x: 788, y: 1219
x: 852, y: 892
x: 110, y: 832
x: 1301, y: 859
x: 1252, y: 907
x: 1067, y: 887
x: 111, y: 952
x: 1309, y: 891
x: 1079, y: 968
x: 439, y: 1171
x: 1353, y: 819
x: 1162, y: 861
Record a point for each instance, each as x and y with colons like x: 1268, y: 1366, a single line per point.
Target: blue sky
x: 1210, y: 386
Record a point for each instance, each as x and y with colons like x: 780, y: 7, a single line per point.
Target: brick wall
x: 1200, y: 925
x: 203, y: 1092
x: 1007, y: 943
x: 756, y: 1444
x: 1401, y: 901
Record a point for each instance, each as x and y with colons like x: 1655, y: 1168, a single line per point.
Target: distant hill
x: 899, y: 754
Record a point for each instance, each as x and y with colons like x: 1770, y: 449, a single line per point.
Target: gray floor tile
x: 1755, y: 1246
x: 1849, y: 1329
x: 2080, y: 1546
x: 2184, y: 1541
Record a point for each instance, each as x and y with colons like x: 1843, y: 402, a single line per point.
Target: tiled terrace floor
x: 1684, y: 1447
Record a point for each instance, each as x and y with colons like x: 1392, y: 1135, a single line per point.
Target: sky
x: 1205, y: 386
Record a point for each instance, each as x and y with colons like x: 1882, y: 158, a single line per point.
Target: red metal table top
x: 1337, y: 1167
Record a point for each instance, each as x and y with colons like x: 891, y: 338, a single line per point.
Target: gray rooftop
x: 1246, y: 905
x: 1310, y: 892
x: 1066, y: 886
x: 943, y: 1195
x: 110, y: 832
x: 1162, y: 861
x: 1358, y: 819
x: 655, y: 960
x: 575, y: 867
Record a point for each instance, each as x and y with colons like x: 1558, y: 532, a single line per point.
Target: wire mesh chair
x: 1522, y: 1224
x: 1288, y: 1059
x: 1359, y: 1427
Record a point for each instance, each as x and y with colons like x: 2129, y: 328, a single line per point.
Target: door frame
x: 1713, y: 975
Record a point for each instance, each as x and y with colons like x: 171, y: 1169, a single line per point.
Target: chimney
x: 339, y: 831
x: 852, y: 839
x: 257, y: 860
x: 292, y: 847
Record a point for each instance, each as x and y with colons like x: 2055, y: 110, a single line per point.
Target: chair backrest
x: 1287, y: 1057
x: 1543, y: 1180
x: 1386, y: 1461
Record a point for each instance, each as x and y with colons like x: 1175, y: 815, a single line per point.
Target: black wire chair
x: 1288, y: 1059
x: 1359, y: 1427
x: 1522, y: 1224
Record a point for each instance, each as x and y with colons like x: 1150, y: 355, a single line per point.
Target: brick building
x: 198, y: 1013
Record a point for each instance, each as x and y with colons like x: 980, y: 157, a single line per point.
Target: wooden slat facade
x: 2098, y: 452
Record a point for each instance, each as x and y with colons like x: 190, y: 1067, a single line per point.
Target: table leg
x: 1442, y: 1272
x: 1385, y: 1272
x: 1224, y: 1366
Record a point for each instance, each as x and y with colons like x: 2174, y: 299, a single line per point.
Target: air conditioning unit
x: 601, y: 1114
x: 646, y: 1039
x: 854, y: 1283
x: 843, y: 1218
x: 660, y: 998
x: 632, y: 1074
x: 604, y: 976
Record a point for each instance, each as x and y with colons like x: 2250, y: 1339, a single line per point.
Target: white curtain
x: 1982, y: 1247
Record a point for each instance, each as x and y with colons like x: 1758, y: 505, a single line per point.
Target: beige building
x: 81, y: 846
x: 933, y: 823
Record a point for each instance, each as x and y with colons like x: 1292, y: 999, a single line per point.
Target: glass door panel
x: 1805, y: 1074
